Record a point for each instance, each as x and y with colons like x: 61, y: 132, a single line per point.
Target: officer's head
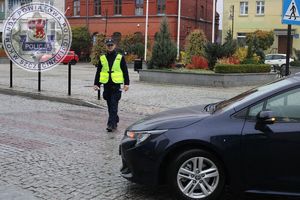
x: 110, y: 45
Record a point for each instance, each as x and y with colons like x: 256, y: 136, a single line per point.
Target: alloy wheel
x: 198, y: 177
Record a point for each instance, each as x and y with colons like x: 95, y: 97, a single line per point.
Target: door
x: 282, y: 44
x: 272, y: 152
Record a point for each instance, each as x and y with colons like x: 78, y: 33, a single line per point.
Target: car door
x: 272, y: 152
x: 279, y: 59
x: 269, y: 59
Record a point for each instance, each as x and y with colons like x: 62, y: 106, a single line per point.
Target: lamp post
x: 232, y: 19
x: 146, y: 30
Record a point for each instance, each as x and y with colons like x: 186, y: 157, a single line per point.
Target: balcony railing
x: 2, y: 15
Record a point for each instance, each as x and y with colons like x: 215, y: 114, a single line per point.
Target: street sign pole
x: 288, y: 51
x: 290, y: 16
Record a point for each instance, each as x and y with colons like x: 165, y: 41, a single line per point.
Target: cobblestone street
x: 51, y: 150
x: 58, y: 151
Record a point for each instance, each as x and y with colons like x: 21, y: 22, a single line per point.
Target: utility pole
x: 178, y: 28
x: 288, y: 51
x: 146, y: 30
x: 213, y: 21
x: 232, y: 20
x: 87, y: 14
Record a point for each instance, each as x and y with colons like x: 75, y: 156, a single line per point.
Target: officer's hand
x: 96, y: 87
x: 126, y: 88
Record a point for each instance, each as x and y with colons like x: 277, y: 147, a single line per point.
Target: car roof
x: 286, y: 83
x: 272, y: 54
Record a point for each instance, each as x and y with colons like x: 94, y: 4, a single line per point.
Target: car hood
x: 171, y: 119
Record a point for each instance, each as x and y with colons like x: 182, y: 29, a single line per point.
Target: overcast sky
x: 220, y: 11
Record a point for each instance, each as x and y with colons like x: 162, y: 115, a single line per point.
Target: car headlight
x: 141, y: 136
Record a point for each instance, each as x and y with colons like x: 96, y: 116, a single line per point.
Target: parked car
x: 277, y: 59
x: 250, y: 142
x: 71, y: 57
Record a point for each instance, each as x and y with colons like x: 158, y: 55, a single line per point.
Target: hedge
x: 295, y: 63
x: 242, y: 68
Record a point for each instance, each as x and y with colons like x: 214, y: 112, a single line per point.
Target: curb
x: 39, y: 96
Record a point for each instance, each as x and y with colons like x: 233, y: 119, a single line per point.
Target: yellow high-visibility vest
x: 116, y: 71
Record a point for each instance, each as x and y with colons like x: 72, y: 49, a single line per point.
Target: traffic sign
x: 290, y: 12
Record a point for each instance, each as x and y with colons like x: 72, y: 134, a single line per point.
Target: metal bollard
x: 39, y: 77
x: 69, y: 79
x: 99, y: 94
x: 11, y: 74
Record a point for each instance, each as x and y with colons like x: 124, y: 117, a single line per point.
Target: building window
x: 161, y: 6
x: 94, y: 38
x: 244, y: 8
x: 48, y: 2
x: 118, y: 7
x: 76, y: 5
x: 23, y: 2
x: 202, y: 14
x: 241, y: 39
x: 139, y: 7
x: 260, y: 7
x: 97, y: 5
x: 2, y: 7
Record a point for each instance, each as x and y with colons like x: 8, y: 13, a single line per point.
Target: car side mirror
x: 266, y: 117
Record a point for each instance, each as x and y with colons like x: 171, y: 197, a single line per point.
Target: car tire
x: 187, y: 182
x: 73, y: 62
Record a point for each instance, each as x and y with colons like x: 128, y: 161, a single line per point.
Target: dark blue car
x: 250, y: 143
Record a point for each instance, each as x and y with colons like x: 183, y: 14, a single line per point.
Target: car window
x: 286, y: 106
x: 254, y: 110
x: 282, y: 57
x: 269, y: 57
x: 275, y: 57
x: 250, y: 95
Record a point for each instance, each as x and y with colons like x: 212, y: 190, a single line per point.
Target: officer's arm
x: 97, y: 75
x: 125, y: 71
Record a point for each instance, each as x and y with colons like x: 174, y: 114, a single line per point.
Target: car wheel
x: 73, y: 62
x: 196, y: 174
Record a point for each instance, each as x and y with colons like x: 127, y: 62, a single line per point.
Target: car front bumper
x: 140, y: 163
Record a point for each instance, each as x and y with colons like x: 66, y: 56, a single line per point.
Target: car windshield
x: 249, y: 95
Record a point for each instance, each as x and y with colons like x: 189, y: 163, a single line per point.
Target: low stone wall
x: 212, y: 80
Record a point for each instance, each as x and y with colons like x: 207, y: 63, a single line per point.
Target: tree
x: 81, y: 41
x: 164, y: 49
x: 213, y: 52
x: 133, y: 44
x: 263, y: 39
x: 230, y: 45
x: 195, y: 43
x: 258, y: 42
x: 98, y: 49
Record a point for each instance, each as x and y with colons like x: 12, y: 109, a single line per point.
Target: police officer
x: 112, y: 72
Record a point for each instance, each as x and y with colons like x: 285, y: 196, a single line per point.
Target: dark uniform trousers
x: 112, y: 95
